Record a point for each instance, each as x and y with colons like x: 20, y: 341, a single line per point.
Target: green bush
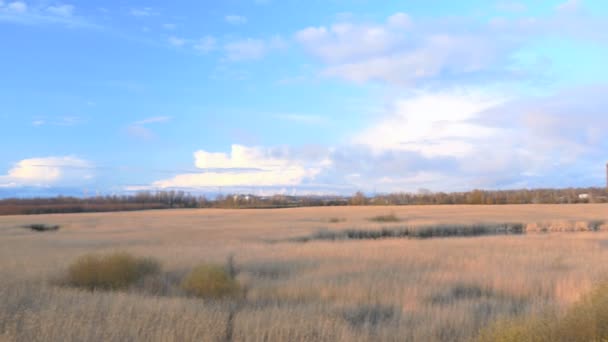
x: 109, y: 272
x: 210, y: 281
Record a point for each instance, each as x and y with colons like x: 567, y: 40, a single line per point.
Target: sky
x: 301, y: 97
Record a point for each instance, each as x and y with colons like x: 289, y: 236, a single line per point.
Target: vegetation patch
x: 110, y: 272
x: 336, y: 220
x: 596, y: 225
x: 39, y: 227
x: 461, y: 292
x: 385, y: 218
x: 368, y: 315
x: 210, y: 281
x: 586, y: 320
x: 424, y: 232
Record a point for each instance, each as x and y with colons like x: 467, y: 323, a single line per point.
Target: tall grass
x: 392, y: 289
x: 585, y: 321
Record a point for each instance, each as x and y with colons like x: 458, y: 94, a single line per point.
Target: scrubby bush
x: 42, y: 227
x: 595, y: 225
x: 210, y: 281
x: 110, y: 272
x: 385, y: 218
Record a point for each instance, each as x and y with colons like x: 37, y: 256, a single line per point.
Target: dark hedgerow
x: 38, y: 227
x: 424, y: 232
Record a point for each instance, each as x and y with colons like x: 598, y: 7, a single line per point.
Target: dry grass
x: 351, y: 290
x: 587, y: 320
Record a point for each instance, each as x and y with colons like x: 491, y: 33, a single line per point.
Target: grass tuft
x: 210, y: 281
x: 110, y: 272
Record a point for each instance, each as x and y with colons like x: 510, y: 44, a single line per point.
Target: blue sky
x: 269, y: 96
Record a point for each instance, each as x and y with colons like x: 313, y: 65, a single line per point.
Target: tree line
x: 146, y: 200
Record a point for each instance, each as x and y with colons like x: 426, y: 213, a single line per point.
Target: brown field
x: 443, y: 289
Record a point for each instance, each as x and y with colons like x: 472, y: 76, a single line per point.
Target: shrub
x: 595, y: 225
x: 210, y: 281
x: 110, y: 272
x: 385, y: 218
x: 42, y: 227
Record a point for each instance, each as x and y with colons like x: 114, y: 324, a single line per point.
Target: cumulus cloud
x: 442, y: 141
x: 405, y: 51
x: 243, y: 166
x: 47, y: 171
x: 431, y: 124
x: 468, y: 142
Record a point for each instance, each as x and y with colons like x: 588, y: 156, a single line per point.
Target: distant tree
x: 358, y: 199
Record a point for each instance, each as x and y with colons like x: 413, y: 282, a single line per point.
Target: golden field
x: 441, y: 289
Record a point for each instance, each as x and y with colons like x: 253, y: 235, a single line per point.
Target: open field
x: 443, y: 289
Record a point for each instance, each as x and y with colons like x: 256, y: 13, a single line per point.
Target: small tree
x: 358, y: 199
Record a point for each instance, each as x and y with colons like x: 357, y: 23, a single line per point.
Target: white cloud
x: 393, y: 53
x: 432, y: 125
x: 235, y: 19
x: 47, y: 171
x: 411, y: 52
x: 400, y: 20
x: 18, y: 12
x: 169, y: 26
x: 140, y: 130
x: 250, y: 49
x: 245, y: 49
x: 17, y: 6
x: 176, y: 41
x: 61, y: 10
x: 569, y: 6
x: 206, y: 44
x: 244, y: 166
x: 143, y: 12
x: 65, y: 121
x: 154, y: 119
